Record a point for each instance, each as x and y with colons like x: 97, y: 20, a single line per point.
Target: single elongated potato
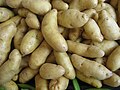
x: 83, y: 4
x: 93, y: 31
x: 6, y: 35
x: 21, y: 31
x: 90, y: 68
x: 74, y: 34
x: 108, y: 26
x: 40, y: 83
x: 51, y: 58
x: 14, y: 3
x: 11, y: 85
x: 59, y: 83
x: 27, y: 74
x: 59, y: 5
x: 63, y: 59
x: 113, y: 62
x: 106, y: 45
x: 30, y: 42
x: 38, y: 57
x: 72, y: 18
x: 39, y: 7
x: 32, y: 21
x: 51, y: 33
x: 84, y: 49
x: 90, y: 80
x: 10, y: 67
x: 23, y: 12
x: 113, y: 81
x: 5, y: 14
x: 51, y: 71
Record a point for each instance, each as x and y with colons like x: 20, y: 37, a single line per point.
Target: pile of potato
x: 55, y: 41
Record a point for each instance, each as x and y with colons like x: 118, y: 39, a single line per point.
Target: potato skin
x: 51, y: 71
x: 40, y: 83
x: 10, y: 67
x: 51, y: 33
x: 90, y: 68
x: 30, y: 42
x: 14, y: 4
x: 60, y: 83
x: 113, y: 62
x: 6, y: 35
x: 63, y: 59
x: 72, y: 18
x: 37, y: 58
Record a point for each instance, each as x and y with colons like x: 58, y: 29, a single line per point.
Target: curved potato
x: 51, y: 33
x: 72, y: 18
x: 51, y: 71
x: 30, y: 42
x: 60, y: 83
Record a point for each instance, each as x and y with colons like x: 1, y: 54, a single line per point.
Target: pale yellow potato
x: 32, y: 21
x: 23, y: 12
x: 113, y: 81
x: 39, y: 7
x: 113, y: 62
x: 59, y: 83
x: 90, y: 68
x: 114, y: 3
x: 51, y: 71
x: 6, y: 35
x: 11, y: 85
x: 30, y: 41
x: 72, y: 18
x: 90, y: 80
x: 21, y: 31
x: 38, y: 57
x: 63, y: 59
x: 27, y: 74
x: 10, y: 67
x: 74, y: 34
x: 5, y: 14
x: 51, y: 33
x: 92, y: 29
x: 14, y: 3
x: 83, y: 4
x: 59, y: 5
x: 108, y: 26
x: 51, y: 58
x: 40, y: 83
x: 84, y: 49
x: 106, y: 45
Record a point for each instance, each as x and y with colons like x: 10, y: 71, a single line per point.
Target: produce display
x: 56, y: 44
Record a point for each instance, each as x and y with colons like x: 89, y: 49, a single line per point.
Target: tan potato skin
x: 113, y: 81
x: 6, y: 35
x: 37, y: 58
x: 32, y: 21
x: 108, y: 26
x: 90, y: 68
x: 51, y: 71
x: 72, y: 18
x: 21, y: 31
x: 84, y: 50
x: 23, y: 12
x: 51, y: 33
x: 10, y: 67
x: 2, y: 3
x: 27, y: 74
x: 39, y: 7
x: 93, y: 31
x: 40, y: 83
x: 90, y: 80
x: 59, y: 84
x: 30, y: 42
x: 14, y: 4
x: 63, y: 59
x: 113, y: 62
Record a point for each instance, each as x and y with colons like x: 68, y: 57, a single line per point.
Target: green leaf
x: 75, y: 84
x: 2, y: 88
x: 26, y: 86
